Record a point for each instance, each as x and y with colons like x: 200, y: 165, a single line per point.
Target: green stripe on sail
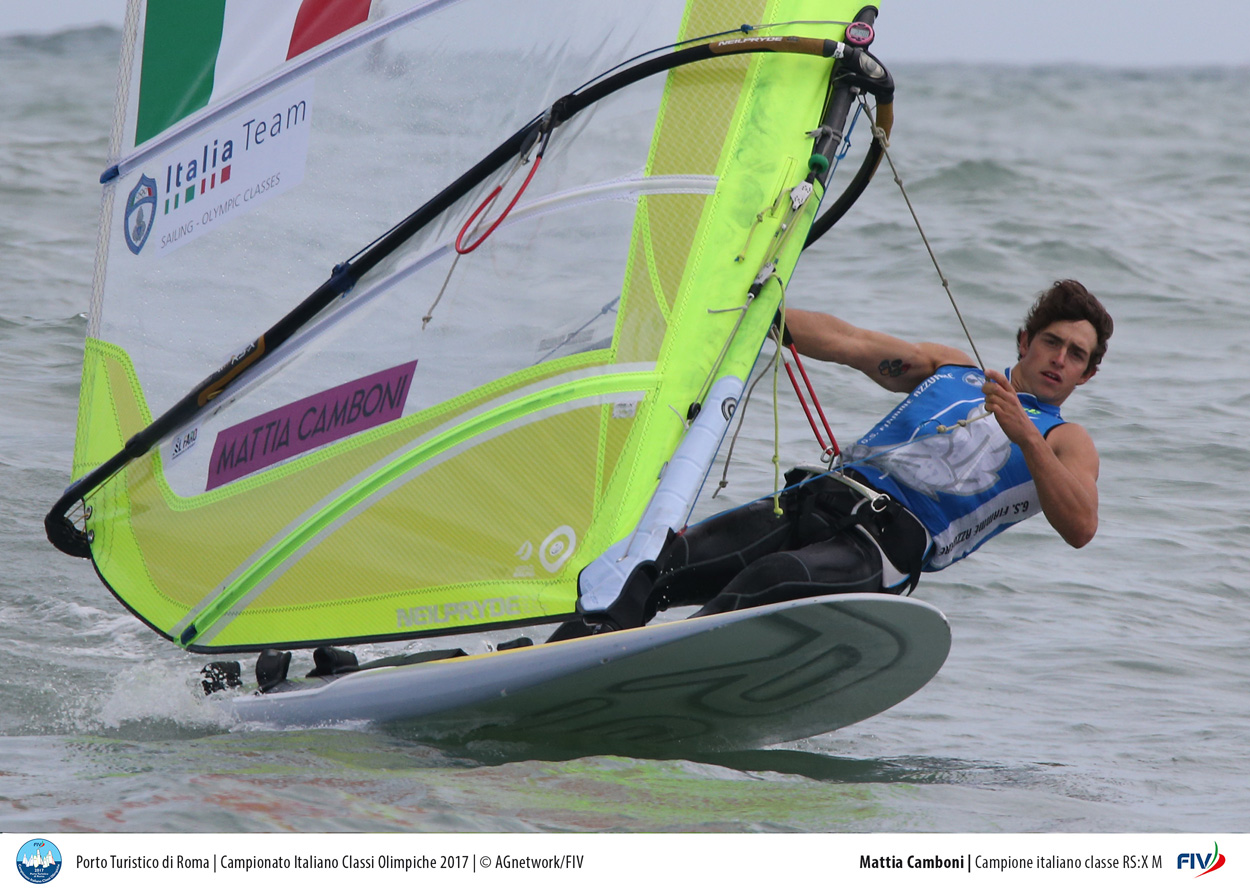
x: 180, y: 43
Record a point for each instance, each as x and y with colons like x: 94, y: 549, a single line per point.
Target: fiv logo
x: 1208, y: 861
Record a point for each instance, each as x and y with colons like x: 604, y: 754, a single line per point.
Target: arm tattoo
x: 893, y: 368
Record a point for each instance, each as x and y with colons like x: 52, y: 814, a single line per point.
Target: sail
x: 417, y: 422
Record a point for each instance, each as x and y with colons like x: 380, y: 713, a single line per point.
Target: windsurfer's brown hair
x: 1068, y: 300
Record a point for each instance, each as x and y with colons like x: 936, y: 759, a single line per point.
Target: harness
x: 828, y: 503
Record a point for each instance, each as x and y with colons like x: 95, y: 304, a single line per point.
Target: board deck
x: 732, y: 681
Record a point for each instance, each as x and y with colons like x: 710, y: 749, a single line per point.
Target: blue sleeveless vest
x: 966, y: 484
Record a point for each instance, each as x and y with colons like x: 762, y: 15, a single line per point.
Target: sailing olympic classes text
x: 222, y: 208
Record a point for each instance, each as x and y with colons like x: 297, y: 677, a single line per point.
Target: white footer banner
x: 577, y: 862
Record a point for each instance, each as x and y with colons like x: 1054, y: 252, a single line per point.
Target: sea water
x: 1106, y: 689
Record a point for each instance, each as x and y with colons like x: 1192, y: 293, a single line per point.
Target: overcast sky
x: 1107, y: 32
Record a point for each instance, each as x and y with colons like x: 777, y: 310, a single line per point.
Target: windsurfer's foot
x: 634, y: 606
x: 580, y: 628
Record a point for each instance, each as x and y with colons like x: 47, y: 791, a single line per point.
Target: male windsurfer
x: 964, y: 456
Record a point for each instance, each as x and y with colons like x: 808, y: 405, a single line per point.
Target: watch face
x: 859, y: 34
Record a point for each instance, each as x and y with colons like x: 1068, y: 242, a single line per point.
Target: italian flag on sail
x: 198, y: 51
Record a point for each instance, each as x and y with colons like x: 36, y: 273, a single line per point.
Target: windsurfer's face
x: 1053, y: 363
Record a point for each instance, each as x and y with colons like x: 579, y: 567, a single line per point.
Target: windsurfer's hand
x: 1001, y: 400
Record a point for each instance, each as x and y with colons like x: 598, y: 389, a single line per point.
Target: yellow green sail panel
x: 440, y: 441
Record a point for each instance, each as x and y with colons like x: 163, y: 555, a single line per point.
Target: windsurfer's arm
x: 1064, y: 463
x: 893, y: 363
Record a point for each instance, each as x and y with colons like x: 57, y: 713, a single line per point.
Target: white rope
x: 483, y: 214
x: 781, y: 310
x: 742, y: 414
x: 964, y: 423
x: 881, y: 137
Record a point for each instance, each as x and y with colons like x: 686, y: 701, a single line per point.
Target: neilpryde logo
x: 140, y: 214
x: 1209, y: 861
x: 39, y: 861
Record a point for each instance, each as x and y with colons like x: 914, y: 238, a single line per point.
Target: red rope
x: 460, y: 249
x: 803, y: 402
x: 832, y: 447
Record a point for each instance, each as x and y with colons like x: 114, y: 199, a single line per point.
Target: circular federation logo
x: 39, y: 861
x: 140, y: 213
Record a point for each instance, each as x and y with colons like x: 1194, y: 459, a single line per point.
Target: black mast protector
x: 849, y: 80
x: 849, y: 196
x: 62, y: 533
